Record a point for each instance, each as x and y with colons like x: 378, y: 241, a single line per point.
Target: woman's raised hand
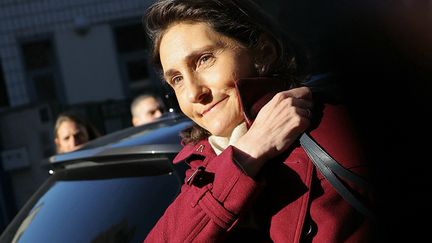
x: 278, y: 124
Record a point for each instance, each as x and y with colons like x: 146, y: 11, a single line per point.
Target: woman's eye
x: 176, y: 80
x: 204, y: 59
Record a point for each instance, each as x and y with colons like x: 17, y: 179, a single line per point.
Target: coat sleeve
x: 208, y: 212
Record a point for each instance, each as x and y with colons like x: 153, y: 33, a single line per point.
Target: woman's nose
x: 197, y: 91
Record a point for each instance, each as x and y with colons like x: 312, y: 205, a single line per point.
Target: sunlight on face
x: 201, y: 66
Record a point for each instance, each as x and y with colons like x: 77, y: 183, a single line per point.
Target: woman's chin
x: 221, y: 131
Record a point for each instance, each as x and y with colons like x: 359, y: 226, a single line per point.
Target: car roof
x: 161, y: 136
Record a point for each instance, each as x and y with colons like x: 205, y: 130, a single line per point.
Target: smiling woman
x: 248, y: 180
x: 201, y: 68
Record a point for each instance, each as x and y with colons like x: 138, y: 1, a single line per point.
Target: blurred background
x: 91, y: 56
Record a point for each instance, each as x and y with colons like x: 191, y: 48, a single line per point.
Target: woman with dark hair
x: 71, y: 132
x: 249, y: 179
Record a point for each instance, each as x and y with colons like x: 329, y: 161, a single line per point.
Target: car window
x: 73, y: 209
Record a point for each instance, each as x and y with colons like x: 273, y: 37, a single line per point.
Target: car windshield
x: 77, y: 209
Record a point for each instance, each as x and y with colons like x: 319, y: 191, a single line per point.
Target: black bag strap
x: 330, y: 168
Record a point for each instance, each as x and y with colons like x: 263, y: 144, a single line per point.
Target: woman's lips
x: 212, y: 106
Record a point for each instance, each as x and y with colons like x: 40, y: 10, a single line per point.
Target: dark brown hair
x: 241, y: 20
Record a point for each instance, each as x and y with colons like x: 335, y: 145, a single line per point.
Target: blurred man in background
x: 145, y: 108
x: 72, y: 131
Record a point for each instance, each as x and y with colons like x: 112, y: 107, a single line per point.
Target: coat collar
x: 202, y: 148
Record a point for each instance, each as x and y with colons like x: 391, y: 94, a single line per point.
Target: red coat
x: 288, y: 199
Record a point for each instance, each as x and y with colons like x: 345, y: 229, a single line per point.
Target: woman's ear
x: 265, y: 54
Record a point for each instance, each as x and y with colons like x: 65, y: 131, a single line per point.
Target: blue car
x: 114, y: 189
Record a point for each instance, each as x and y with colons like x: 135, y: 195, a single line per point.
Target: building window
x: 4, y: 101
x: 40, y: 65
x: 131, y: 42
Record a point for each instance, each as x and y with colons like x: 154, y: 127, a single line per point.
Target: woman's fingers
x: 300, y: 97
x: 282, y: 102
x: 278, y: 124
x: 299, y: 93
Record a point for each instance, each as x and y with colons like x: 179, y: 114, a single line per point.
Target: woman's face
x: 201, y: 66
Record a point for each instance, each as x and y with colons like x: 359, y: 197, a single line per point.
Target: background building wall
x: 20, y: 20
x: 88, y: 65
x: 26, y: 138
